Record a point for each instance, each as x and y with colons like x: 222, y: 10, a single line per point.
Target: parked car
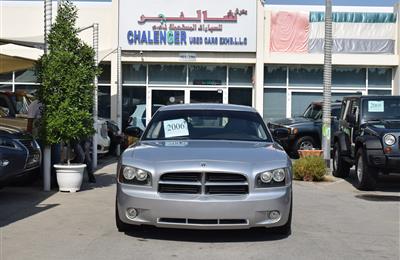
x: 103, y: 140
x: 369, y: 138
x: 20, y: 154
x: 205, y: 166
x: 14, y: 109
x: 305, y: 132
x: 138, y: 118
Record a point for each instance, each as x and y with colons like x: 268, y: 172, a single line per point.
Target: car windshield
x: 207, y: 125
x: 314, y: 111
x: 381, y: 108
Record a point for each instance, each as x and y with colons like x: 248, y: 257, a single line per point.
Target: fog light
x: 131, y: 213
x: 274, y: 215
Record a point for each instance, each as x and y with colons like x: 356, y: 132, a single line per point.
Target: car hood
x: 383, y: 127
x: 199, y: 150
x: 292, y: 121
x: 13, y: 132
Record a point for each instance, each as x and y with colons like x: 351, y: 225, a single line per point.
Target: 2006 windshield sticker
x: 376, y: 106
x: 175, y: 128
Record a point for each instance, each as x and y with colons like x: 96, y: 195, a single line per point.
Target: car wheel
x: 304, y: 143
x: 286, y: 229
x: 121, y: 226
x: 341, y: 168
x: 365, y: 179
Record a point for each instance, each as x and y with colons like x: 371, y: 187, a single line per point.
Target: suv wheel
x: 304, y: 143
x: 341, y: 168
x: 364, y: 173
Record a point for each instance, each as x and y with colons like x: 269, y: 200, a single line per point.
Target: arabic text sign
x: 229, y: 26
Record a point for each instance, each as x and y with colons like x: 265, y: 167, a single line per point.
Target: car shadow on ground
x: 20, y: 202
x: 385, y: 184
x: 204, y: 236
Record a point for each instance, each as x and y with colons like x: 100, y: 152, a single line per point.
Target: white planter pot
x: 69, y: 177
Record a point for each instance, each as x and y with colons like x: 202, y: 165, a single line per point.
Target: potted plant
x: 66, y: 75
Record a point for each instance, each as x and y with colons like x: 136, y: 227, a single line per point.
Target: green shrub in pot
x: 310, y: 168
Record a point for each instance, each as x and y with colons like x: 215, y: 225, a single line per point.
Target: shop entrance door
x: 162, y: 96
x: 206, y: 96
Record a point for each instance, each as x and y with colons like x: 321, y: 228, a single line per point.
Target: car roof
x: 371, y: 97
x: 334, y: 103
x: 207, y: 106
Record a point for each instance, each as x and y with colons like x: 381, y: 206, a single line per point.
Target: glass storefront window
x: 241, y: 96
x: 104, y: 102
x: 380, y: 77
x: 6, y: 77
x: 349, y: 77
x: 379, y: 92
x: 274, y: 103
x: 166, y: 97
x: 203, y: 96
x: 310, y: 76
x: 240, y: 75
x: 207, y: 75
x: 167, y: 74
x: 5, y: 87
x: 133, y: 74
x: 26, y: 88
x: 25, y: 76
x: 132, y: 96
x: 105, y: 75
x: 275, y: 76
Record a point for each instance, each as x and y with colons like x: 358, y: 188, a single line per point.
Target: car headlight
x: 133, y: 175
x: 272, y: 178
x: 389, y: 139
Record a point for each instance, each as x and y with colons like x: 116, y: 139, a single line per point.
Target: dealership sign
x: 176, y: 25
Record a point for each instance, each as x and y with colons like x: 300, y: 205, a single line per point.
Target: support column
x: 259, y: 69
x: 396, y: 81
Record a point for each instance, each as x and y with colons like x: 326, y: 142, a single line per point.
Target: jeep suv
x: 305, y: 132
x: 368, y: 137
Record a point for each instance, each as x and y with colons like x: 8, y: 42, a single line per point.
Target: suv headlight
x: 272, y: 178
x: 389, y: 139
x: 133, y: 175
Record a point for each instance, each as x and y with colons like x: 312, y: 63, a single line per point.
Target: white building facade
x: 238, y: 51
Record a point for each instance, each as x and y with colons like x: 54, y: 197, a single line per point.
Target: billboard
x: 188, y: 25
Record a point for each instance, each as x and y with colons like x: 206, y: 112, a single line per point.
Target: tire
x: 121, y: 226
x: 304, y: 143
x: 341, y: 168
x: 286, y: 229
x: 365, y: 179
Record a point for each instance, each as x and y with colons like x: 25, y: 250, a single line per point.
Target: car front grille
x: 202, y: 222
x: 33, y: 159
x: 203, y: 183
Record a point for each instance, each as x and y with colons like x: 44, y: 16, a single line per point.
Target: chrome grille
x: 203, y: 183
x: 33, y: 158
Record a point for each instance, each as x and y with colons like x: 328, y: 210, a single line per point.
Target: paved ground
x: 330, y: 221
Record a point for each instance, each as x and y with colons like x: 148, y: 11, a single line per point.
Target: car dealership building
x: 237, y: 51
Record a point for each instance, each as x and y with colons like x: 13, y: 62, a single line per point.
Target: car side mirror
x: 281, y: 133
x: 133, y: 131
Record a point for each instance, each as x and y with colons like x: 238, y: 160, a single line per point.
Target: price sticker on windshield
x: 376, y: 106
x: 175, y: 128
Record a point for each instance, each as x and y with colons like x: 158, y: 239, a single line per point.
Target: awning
x: 15, y: 57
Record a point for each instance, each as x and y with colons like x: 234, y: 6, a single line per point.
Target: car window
x: 207, y: 124
x: 314, y: 111
x: 381, y: 108
x: 336, y: 112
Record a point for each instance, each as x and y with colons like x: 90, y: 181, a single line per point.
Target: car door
x: 349, y: 121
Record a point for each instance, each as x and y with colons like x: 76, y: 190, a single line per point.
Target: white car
x: 138, y: 118
x: 103, y: 140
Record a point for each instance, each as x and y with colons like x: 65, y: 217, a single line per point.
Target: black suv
x: 305, y: 131
x: 368, y: 137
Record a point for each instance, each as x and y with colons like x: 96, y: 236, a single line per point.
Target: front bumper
x: 204, y: 211
x: 387, y: 163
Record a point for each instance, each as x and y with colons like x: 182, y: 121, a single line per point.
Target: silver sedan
x: 205, y: 166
